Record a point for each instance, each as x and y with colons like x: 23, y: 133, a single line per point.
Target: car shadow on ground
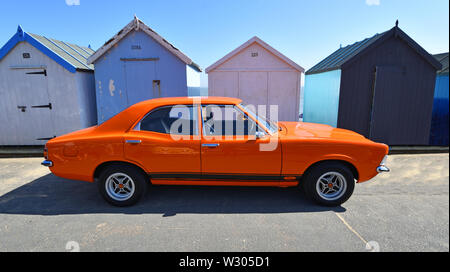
x: 50, y: 195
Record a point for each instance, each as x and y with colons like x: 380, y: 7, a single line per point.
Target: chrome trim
x: 47, y: 163
x: 133, y: 141
x: 210, y: 145
x: 235, y: 106
x: 383, y: 169
x: 258, y: 125
x: 383, y: 162
x: 137, y: 127
x: 260, y: 134
x: 265, y: 129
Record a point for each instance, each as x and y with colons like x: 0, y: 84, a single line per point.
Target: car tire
x: 122, y: 185
x: 329, y: 184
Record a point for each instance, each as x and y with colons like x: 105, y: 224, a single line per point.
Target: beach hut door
x: 140, y: 81
x: 34, y: 108
x: 386, y: 114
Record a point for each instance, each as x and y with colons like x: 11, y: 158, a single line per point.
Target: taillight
x: 45, y: 153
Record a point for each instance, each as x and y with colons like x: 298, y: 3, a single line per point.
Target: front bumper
x: 383, y: 169
x: 47, y: 163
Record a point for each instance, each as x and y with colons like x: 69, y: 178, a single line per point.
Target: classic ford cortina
x: 213, y: 141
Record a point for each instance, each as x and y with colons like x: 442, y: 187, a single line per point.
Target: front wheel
x: 329, y: 184
x: 121, y: 185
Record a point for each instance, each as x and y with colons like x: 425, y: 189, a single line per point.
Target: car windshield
x: 269, y: 124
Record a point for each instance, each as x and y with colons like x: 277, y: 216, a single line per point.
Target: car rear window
x: 164, y: 120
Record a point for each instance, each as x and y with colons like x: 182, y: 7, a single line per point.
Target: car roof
x: 191, y: 100
x: 126, y: 118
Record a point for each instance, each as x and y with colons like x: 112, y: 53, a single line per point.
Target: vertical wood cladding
x: 406, y: 99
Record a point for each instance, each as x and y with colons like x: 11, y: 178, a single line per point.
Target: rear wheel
x: 329, y: 183
x: 121, y: 185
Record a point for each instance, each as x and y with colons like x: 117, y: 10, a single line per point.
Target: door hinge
x: 38, y: 73
x: 43, y: 106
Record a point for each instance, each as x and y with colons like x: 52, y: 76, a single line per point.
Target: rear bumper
x: 47, y: 163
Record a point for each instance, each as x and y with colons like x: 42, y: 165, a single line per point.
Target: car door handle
x: 211, y: 145
x: 133, y: 141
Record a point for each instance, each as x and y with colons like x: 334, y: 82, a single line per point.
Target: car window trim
x: 137, y: 127
x: 266, y: 129
x: 239, y: 109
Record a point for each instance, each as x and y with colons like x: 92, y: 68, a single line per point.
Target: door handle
x: 211, y: 145
x: 133, y: 141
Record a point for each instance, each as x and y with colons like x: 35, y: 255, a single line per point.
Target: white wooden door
x: 223, y: 84
x: 284, y: 92
x: 253, y: 89
x: 33, y: 109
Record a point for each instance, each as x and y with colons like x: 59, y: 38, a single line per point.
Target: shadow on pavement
x: 50, y: 195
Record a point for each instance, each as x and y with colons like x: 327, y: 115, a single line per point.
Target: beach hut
x: 46, y: 89
x: 259, y: 75
x: 381, y: 87
x: 440, y: 120
x: 138, y: 64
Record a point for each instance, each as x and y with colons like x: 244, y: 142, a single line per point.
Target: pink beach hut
x: 259, y: 75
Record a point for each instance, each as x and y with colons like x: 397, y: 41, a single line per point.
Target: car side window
x: 227, y: 120
x: 177, y: 119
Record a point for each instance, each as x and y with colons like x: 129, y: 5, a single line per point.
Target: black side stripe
x: 219, y: 176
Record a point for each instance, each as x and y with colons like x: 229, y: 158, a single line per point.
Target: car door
x: 166, y: 142
x: 230, y: 146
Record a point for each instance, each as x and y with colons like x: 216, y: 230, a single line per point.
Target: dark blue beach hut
x: 381, y: 87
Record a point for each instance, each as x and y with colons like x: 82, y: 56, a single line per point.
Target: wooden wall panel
x: 417, y: 86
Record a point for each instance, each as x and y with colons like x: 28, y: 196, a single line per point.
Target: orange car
x: 213, y: 141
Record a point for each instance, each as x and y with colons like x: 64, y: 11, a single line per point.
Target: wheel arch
x: 344, y: 162
x: 103, y: 165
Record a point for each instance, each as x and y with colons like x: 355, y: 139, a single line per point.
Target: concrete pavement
x: 405, y: 210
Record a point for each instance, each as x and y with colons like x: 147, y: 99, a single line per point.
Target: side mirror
x: 260, y: 134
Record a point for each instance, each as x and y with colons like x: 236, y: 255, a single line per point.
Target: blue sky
x: 206, y: 30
